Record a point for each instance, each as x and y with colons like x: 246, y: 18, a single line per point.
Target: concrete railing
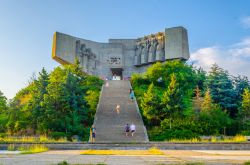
x: 98, y: 105
x: 139, y: 113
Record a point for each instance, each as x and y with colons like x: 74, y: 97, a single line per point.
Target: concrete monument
x: 121, y: 57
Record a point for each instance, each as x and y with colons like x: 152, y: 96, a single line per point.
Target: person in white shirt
x: 132, y: 129
x: 117, y: 108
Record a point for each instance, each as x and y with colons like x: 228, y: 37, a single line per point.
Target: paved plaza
x: 170, y: 157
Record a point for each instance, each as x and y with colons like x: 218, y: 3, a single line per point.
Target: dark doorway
x: 116, y: 73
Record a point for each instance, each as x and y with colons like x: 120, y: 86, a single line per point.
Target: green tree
x: 92, y: 99
x: 155, y: 72
x: 214, y: 122
x: 246, y: 104
x: 221, y: 89
x: 200, y: 79
x: 3, y: 102
x: 150, y: 104
x: 197, y: 100
x: 37, y: 107
x: 172, y: 101
x: 207, y: 103
x: 240, y: 83
x: 3, y: 112
x: 213, y: 119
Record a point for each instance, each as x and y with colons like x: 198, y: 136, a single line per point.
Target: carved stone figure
x: 138, y: 51
x: 145, y: 48
x: 143, y: 53
x: 85, y: 55
x: 160, y: 52
x: 152, y: 50
x: 78, y: 47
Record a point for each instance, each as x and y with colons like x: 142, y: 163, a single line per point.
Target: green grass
x: 32, y: 149
x: 30, y: 139
x: 234, y: 139
x: 11, y: 147
x: 247, y: 163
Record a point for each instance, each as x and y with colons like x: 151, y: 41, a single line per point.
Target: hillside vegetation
x: 57, y: 104
x: 179, y: 101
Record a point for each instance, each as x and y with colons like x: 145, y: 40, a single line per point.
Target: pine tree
x: 207, y: 104
x: 221, y: 89
x: 200, y: 78
x: 150, y: 104
x: 172, y: 100
x: 245, y: 105
x: 240, y: 83
x: 197, y: 100
x: 77, y: 69
x: 37, y: 107
x: 3, y: 102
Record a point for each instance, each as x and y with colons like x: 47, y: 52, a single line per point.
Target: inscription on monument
x: 114, y: 60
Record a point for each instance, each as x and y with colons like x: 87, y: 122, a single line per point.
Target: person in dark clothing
x: 127, y: 129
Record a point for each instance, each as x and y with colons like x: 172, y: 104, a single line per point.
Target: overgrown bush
x: 57, y: 135
x: 157, y: 134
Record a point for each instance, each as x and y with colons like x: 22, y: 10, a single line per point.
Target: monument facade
x: 121, y: 57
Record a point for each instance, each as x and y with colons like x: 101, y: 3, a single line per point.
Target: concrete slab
x: 170, y: 157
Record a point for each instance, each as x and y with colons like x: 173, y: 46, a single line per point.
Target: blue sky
x: 219, y: 31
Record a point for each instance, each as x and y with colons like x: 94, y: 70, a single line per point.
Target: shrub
x: 2, y: 135
x: 239, y: 138
x: 63, y: 163
x: 247, y: 163
x: 57, y: 135
x: 246, y: 133
x: 157, y: 134
x: 182, y: 134
x: 11, y: 147
x: 30, y: 149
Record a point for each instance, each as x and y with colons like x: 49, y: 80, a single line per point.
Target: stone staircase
x: 110, y: 125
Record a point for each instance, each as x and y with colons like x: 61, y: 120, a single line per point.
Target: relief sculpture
x: 144, y: 54
x: 138, y: 51
x: 160, y: 51
x: 84, y: 55
x: 150, y: 49
x: 126, y: 56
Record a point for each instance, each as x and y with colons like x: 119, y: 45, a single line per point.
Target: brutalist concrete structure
x: 121, y: 57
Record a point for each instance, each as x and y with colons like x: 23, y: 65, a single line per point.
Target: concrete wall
x: 127, y: 146
x: 176, y: 43
x: 117, y: 53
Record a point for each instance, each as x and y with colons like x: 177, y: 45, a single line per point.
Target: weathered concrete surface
x: 99, y: 58
x: 131, y: 146
x: 170, y: 157
x: 176, y: 44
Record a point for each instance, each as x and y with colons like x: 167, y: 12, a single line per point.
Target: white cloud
x: 234, y: 58
x: 245, y: 21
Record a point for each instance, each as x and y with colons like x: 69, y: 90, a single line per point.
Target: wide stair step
x: 110, y: 125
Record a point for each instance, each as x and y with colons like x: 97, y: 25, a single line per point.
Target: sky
x: 218, y: 31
